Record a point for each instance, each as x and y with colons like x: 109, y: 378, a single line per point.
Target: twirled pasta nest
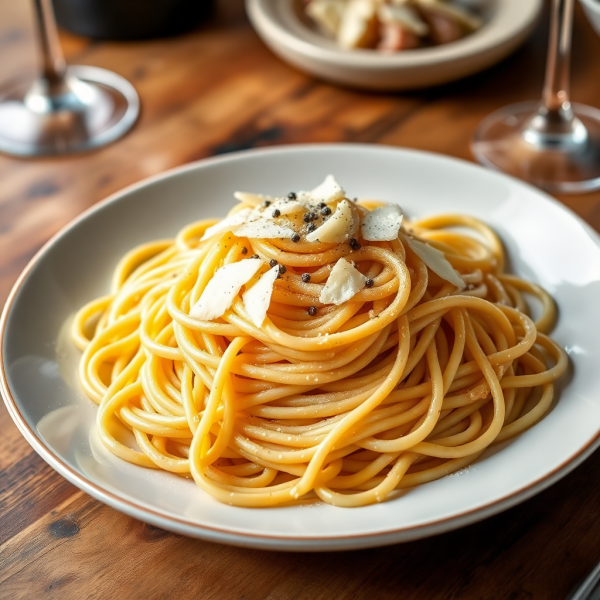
x: 408, y: 381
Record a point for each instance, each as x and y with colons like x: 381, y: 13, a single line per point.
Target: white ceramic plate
x: 507, y: 23
x: 546, y: 242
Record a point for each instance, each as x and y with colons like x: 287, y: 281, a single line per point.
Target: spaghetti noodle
x: 409, y: 380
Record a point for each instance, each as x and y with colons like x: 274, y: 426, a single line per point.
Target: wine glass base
x: 499, y: 143
x: 91, y: 107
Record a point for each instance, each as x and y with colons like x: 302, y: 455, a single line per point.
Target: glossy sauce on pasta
x: 405, y: 383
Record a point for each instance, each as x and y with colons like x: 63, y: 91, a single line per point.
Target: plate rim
x: 264, y: 540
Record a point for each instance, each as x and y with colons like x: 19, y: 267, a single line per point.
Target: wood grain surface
x: 216, y: 90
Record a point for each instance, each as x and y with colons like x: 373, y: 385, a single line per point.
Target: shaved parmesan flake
x: 436, y: 261
x: 253, y: 199
x: 258, y: 297
x: 223, y: 288
x: 338, y: 228
x: 286, y: 207
x: 329, y: 191
x: 382, y: 224
x: 264, y: 230
x: 228, y: 224
x: 344, y: 281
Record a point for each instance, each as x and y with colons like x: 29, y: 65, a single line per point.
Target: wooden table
x: 213, y: 91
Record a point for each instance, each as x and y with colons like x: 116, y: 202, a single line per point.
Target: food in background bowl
x: 392, y: 25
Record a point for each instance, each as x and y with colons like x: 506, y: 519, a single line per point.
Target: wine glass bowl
x: 592, y: 11
x: 564, y: 157
x: 553, y: 144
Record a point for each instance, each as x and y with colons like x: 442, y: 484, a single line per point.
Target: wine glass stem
x: 554, y: 126
x: 556, y: 94
x: 53, y: 62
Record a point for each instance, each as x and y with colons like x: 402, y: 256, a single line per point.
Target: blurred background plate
x: 507, y: 23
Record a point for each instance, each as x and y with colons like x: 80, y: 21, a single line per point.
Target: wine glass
x: 68, y: 108
x: 553, y: 144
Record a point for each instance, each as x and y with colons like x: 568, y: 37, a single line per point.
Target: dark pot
x: 130, y: 19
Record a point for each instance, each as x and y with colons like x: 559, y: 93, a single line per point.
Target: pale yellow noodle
x: 409, y: 381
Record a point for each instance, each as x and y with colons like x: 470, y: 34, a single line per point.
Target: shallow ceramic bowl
x: 507, y: 23
x: 546, y: 243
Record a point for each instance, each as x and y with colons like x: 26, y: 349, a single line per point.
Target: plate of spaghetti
x: 406, y: 347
